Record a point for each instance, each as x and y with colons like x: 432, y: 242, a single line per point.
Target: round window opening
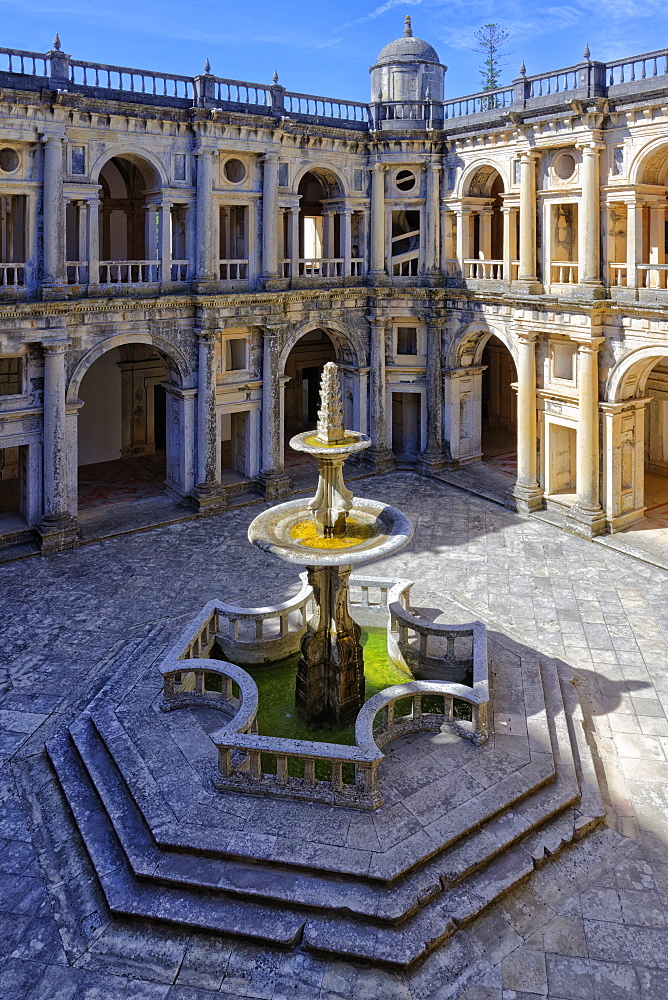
x: 9, y: 160
x: 565, y: 167
x: 405, y: 180
x: 235, y: 171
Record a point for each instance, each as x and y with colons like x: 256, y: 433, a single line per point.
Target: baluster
x: 234, y: 622
x: 424, y: 642
x: 199, y: 682
x: 337, y: 775
x: 383, y: 597
x: 389, y: 715
x: 643, y: 70
x: 225, y: 765
x: 309, y: 772
x: 451, y: 647
x: 284, y: 624
x: 281, y: 769
x: 447, y: 707
x: 633, y: 72
x: 259, y: 627
x: 255, y: 765
x: 227, y: 688
x: 365, y: 597
x: 417, y: 706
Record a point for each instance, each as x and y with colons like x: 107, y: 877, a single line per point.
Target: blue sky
x: 324, y: 48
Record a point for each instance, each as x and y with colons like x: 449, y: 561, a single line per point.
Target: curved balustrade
x: 211, y: 683
x: 261, y: 635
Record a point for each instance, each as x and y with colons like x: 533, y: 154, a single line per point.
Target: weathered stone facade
x: 202, y: 227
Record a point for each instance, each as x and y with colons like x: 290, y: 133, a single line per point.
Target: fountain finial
x: 330, y: 415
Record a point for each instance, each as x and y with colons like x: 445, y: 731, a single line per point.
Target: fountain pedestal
x: 330, y: 675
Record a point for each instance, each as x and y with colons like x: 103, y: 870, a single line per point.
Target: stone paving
x: 591, y: 924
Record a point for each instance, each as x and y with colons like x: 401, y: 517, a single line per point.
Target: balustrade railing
x: 134, y: 81
x: 179, y: 270
x: 129, y: 272
x: 473, y: 104
x: 641, y: 67
x: 564, y: 272
x: 12, y: 275
x: 252, y: 635
x: 405, y: 111
x: 214, y: 684
x: 491, y: 270
x: 25, y: 63
x: 233, y: 270
x: 321, y: 267
x: 652, y: 275
x: 405, y: 265
x: 618, y: 274
x: 357, y: 267
x: 558, y: 82
x: 77, y: 272
x: 238, y: 92
x: 325, y: 107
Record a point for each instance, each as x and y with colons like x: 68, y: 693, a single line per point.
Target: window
x: 235, y: 354
x: 563, y: 362
x: 78, y: 160
x: 405, y: 180
x: 406, y: 340
x: 9, y: 160
x: 234, y: 171
x: 10, y: 376
x: 180, y: 167
x: 564, y: 167
x: 282, y: 175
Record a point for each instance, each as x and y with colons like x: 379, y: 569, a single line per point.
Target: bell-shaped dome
x: 407, y: 69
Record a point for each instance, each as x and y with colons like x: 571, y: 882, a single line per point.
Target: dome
x: 407, y: 49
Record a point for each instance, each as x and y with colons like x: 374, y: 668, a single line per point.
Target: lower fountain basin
x: 290, y: 532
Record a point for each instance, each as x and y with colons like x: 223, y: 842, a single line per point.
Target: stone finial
x: 274, y: 78
x: 408, y: 31
x: 56, y: 42
x: 330, y: 415
x: 586, y: 53
x: 523, y: 69
x: 207, y: 67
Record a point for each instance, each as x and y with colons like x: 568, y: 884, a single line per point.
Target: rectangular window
x: 406, y: 340
x: 180, y: 167
x: 235, y: 354
x: 78, y: 160
x: 563, y: 362
x: 282, y: 175
x: 10, y: 376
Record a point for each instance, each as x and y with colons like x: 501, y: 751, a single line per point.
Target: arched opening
x: 319, y: 226
x: 655, y: 452
x: 122, y: 432
x: 499, y: 407
x: 129, y: 234
x: 484, y: 247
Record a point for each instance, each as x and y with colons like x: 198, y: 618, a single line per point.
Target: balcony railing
x: 77, y: 272
x: 618, y: 275
x: 12, y: 275
x: 233, y: 270
x: 179, y: 270
x: 564, y: 272
x: 129, y: 272
x: 642, y: 67
x: 652, y: 275
x: 490, y: 270
x: 134, y: 81
x: 321, y: 267
x: 474, y: 104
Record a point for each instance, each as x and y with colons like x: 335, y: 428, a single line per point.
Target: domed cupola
x: 407, y: 69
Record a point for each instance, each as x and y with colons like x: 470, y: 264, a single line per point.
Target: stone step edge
x: 144, y: 861
x: 123, y: 891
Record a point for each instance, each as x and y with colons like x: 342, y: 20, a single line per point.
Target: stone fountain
x: 329, y: 535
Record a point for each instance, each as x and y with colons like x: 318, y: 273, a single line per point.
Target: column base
x: 57, y: 533
x: 379, y: 460
x: 432, y: 279
x: 430, y: 463
x: 587, y: 522
x: 54, y: 290
x: 209, y: 498
x: 525, y: 499
x: 379, y: 278
x: 526, y: 286
x: 204, y: 286
x: 590, y: 292
x: 276, y: 485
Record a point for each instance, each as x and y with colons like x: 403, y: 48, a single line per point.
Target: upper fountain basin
x: 289, y: 531
x: 309, y: 442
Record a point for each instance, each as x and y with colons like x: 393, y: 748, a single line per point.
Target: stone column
x: 508, y: 219
x: 270, y: 216
x: 433, y: 219
x: 589, y: 228
x: 586, y: 517
x: 633, y: 241
x: 328, y: 234
x: 93, y: 249
x: 526, y: 491
x: 377, y: 220
x: 165, y: 239
x: 463, y: 238
x: 379, y: 455
x: 53, y: 211
x: 205, y: 270
x: 527, y: 269
x: 57, y: 529
x: 657, y: 237
x: 273, y: 478
x: 432, y: 460
x: 209, y: 495
x: 345, y: 238
x: 294, y: 243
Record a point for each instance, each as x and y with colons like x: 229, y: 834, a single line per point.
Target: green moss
x: 277, y: 715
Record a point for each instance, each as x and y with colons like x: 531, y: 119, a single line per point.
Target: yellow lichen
x: 310, y: 534
x: 314, y: 442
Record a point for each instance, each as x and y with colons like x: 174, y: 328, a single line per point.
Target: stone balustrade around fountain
x: 201, y: 681
x: 461, y: 649
x: 263, y: 635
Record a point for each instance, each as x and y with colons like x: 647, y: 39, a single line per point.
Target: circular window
x: 564, y: 168
x: 9, y: 160
x: 405, y: 180
x: 235, y: 171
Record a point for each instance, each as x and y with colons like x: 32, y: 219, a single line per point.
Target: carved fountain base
x: 330, y: 675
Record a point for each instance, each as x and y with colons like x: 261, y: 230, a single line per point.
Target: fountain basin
x: 289, y: 532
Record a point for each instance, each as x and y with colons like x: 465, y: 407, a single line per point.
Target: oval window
x: 564, y: 168
x: 405, y: 180
x: 235, y: 171
x: 9, y: 160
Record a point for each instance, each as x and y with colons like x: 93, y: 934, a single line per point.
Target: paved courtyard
x: 589, y: 925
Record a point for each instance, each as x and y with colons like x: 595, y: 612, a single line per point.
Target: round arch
x: 176, y: 363
x: 484, y: 173
x: 332, y: 180
x: 158, y: 176
x: 629, y: 376
x: 650, y: 164
x: 467, y: 348
x: 343, y: 339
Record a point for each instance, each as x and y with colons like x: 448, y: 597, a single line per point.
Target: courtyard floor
x: 590, y: 925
